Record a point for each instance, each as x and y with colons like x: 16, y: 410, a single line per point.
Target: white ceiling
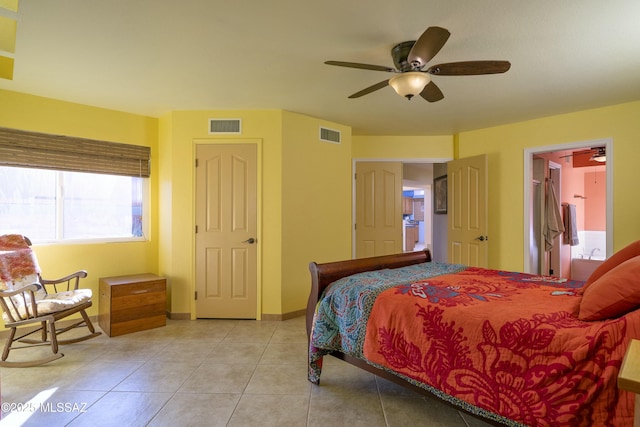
x: 153, y: 56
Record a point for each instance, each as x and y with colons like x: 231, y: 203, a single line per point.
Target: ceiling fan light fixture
x: 409, y: 84
x: 599, y: 156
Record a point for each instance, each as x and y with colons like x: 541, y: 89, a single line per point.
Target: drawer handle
x: 142, y: 291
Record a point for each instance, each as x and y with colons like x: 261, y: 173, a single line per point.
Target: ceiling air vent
x: 329, y: 135
x: 227, y: 126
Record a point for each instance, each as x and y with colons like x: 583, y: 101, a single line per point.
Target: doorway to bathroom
x: 569, y: 233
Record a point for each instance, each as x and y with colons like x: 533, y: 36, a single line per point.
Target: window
x: 49, y: 205
x: 60, y: 188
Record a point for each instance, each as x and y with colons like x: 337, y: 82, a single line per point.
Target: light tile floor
x: 208, y: 373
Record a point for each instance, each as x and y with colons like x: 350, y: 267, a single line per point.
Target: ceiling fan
x: 411, y: 57
x: 596, y: 154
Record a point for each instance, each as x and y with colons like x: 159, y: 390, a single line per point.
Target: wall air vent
x: 225, y: 126
x: 329, y: 135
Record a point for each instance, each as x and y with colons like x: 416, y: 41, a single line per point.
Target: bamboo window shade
x: 44, y: 151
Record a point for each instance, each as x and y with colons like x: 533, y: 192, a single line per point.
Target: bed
x: 512, y: 348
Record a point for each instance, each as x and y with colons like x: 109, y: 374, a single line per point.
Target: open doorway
x: 417, y: 175
x: 417, y: 212
x: 584, y: 197
x: 416, y: 217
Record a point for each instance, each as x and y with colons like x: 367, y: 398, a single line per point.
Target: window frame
x: 60, y: 219
x: 60, y: 153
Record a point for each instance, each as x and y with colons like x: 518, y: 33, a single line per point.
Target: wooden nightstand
x: 131, y: 303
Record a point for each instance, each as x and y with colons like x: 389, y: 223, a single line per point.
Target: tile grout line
x: 255, y: 368
x: 384, y: 412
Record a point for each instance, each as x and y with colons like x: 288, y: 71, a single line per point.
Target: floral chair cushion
x: 47, y: 303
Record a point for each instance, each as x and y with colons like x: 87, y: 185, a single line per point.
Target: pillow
x: 614, y: 293
x: 621, y: 256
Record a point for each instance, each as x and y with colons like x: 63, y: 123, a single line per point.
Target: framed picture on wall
x: 440, y: 195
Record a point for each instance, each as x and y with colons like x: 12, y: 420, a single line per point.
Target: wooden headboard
x: 322, y: 275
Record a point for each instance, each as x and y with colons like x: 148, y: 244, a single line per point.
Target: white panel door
x: 378, y: 208
x: 226, y: 240
x: 467, y: 211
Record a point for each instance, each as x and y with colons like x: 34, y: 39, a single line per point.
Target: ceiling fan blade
x: 370, y: 89
x: 469, y: 68
x: 580, y: 152
x: 361, y: 66
x: 427, y: 46
x: 432, y: 93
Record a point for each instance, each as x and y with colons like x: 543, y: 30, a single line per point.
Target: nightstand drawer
x: 138, y: 288
x: 132, y: 303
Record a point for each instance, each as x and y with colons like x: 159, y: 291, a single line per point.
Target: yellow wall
x: 305, y: 217
x: 180, y: 131
x: 164, y: 167
x: 27, y: 112
x: 403, y: 147
x: 505, y: 146
x: 306, y: 186
x: 295, y: 167
x: 316, y: 203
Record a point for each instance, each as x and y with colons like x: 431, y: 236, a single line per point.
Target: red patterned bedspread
x: 506, y: 343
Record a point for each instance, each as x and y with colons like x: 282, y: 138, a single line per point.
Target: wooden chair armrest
x: 72, y: 281
x: 25, y: 297
x: 29, y: 288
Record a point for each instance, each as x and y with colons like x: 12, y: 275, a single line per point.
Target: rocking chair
x: 26, y: 302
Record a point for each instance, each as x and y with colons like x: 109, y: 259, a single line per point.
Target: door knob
x: 482, y: 238
x: 250, y: 241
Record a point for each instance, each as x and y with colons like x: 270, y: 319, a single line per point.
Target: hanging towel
x: 570, y: 229
x: 554, y: 225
